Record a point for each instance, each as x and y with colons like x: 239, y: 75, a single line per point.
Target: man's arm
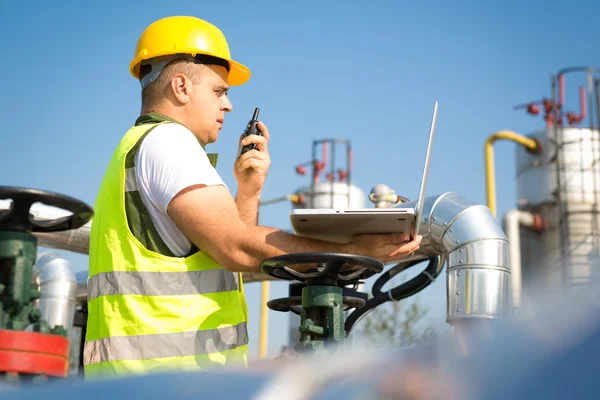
x: 247, y: 207
x: 208, y: 216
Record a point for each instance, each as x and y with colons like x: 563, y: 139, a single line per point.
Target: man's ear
x: 181, y: 86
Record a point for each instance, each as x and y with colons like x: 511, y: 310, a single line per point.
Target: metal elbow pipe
x: 477, y: 253
x: 58, y: 287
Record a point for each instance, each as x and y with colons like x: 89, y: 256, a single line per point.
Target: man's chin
x: 213, y: 138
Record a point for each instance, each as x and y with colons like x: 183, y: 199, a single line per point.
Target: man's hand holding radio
x: 251, y: 168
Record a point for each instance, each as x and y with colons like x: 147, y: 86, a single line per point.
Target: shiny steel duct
x: 476, y: 249
x: 58, y: 286
x: 477, y: 253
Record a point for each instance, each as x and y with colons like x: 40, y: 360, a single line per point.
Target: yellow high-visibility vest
x: 149, y: 310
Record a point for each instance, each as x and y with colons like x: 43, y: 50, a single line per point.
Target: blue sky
x: 366, y: 71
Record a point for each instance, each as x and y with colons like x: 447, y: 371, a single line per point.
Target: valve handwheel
x: 331, y: 267
x: 18, y: 217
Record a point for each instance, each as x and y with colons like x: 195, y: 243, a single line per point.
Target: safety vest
x: 149, y: 310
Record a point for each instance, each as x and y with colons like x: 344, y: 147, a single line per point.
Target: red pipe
x: 582, y: 106
x: 561, y: 90
x: 540, y: 224
x: 349, y: 160
x: 324, y: 155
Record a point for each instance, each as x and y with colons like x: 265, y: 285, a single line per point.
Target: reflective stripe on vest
x: 149, y: 310
x: 161, y: 283
x: 178, y: 344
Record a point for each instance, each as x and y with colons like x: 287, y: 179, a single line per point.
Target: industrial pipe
x: 58, y: 286
x: 490, y: 180
x: 512, y: 221
x: 477, y: 253
x: 264, y: 320
x: 74, y: 240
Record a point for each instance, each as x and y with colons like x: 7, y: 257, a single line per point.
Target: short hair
x: 154, y: 93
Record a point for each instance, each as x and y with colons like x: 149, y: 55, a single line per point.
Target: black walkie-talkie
x: 251, y: 129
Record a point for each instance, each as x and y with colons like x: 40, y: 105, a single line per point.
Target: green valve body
x: 18, y: 293
x: 322, y: 318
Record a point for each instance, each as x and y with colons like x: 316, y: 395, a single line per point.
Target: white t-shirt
x: 169, y: 160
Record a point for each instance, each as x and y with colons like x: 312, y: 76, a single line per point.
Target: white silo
x: 562, y: 184
x: 330, y: 187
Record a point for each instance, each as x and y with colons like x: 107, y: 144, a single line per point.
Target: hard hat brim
x: 238, y: 72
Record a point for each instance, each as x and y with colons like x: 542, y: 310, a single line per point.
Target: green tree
x: 395, y: 323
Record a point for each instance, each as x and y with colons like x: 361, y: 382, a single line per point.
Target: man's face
x: 209, y: 103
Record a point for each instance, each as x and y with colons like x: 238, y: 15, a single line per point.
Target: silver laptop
x: 341, y: 225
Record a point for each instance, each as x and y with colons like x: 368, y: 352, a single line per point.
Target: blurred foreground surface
x: 549, y: 351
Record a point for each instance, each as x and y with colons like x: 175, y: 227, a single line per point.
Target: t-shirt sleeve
x: 169, y: 160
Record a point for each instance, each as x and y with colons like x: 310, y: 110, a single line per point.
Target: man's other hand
x: 387, y: 248
x: 251, y: 168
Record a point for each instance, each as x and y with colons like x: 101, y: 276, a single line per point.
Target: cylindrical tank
x: 58, y: 286
x: 562, y: 184
x: 332, y: 195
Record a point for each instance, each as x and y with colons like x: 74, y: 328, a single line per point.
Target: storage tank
x: 562, y: 184
x: 341, y: 195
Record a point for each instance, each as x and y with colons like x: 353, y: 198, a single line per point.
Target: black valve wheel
x: 331, y: 268
x: 294, y: 304
x: 19, y: 218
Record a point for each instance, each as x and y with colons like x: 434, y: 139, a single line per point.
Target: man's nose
x: 226, y: 106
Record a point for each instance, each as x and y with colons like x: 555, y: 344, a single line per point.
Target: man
x: 168, y: 242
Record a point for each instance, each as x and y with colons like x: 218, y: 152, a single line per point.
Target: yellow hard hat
x: 186, y: 35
